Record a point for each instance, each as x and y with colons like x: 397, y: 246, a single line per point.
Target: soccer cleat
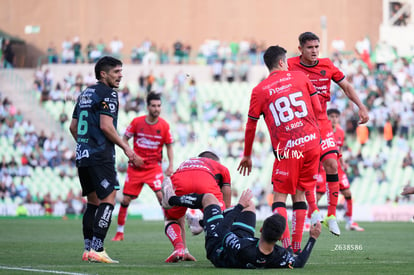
x: 100, y: 257
x: 119, y: 236
x: 193, y: 217
x: 85, y: 256
x: 167, y: 192
x: 354, y: 227
x: 176, y: 256
x: 315, y: 217
x: 332, y: 224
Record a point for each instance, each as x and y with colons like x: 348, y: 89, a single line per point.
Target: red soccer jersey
x: 284, y: 99
x: 149, y: 139
x: 339, y: 135
x: 217, y: 170
x: 320, y: 75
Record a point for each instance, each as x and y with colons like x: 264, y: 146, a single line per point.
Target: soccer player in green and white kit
x: 93, y: 127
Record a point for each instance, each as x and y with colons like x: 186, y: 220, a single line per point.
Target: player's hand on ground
x: 363, y: 115
x: 189, y: 257
x: 315, y: 230
x: 245, y: 166
x: 246, y: 198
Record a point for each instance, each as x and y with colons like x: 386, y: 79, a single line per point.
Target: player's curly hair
x: 273, y: 228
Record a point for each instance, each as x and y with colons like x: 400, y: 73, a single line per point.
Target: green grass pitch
x: 54, y: 246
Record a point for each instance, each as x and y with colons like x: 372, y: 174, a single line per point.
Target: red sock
x: 173, y: 232
x: 332, y: 190
x: 310, y: 198
x: 298, y: 221
x: 122, y: 214
x: 348, y: 207
x: 286, y: 235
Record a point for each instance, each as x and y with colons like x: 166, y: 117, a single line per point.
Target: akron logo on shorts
x: 105, y: 183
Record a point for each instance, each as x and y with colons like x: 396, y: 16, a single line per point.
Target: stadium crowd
x: 386, y: 88
x: 147, y: 52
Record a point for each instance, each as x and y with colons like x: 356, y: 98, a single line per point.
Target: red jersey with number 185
x: 149, y: 139
x: 320, y: 75
x: 284, y: 99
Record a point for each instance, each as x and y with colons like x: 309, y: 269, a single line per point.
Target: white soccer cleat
x: 167, y: 192
x: 193, y: 217
x: 316, y: 217
x: 332, y: 224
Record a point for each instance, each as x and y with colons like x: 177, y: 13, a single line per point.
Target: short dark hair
x: 105, y: 64
x: 333, y: 111
x: 273, y: 55
x: 152, y: 96
x: 209, y: 154
x: 273, y: 228
x: 307, y: 36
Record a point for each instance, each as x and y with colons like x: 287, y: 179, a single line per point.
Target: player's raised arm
x: 245, y: 166
x: 351, y: 94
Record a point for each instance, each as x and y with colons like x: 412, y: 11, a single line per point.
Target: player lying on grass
x: 229, y: 238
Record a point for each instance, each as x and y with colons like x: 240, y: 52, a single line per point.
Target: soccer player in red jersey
x: 289, y: 104
x: 150, y: 133
x: 344, y: 186
x: 320, y: 72
x: 202, y: 174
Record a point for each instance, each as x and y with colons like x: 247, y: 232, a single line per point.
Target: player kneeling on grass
x: 229, y: 238
x: 202, y: 174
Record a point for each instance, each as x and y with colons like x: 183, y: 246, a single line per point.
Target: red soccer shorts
x: 194, y: 181
x: 296, y: 173
x: 328, y: 143
x: 136, y: 179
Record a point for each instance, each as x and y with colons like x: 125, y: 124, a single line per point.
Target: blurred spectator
x: 116, y: 46
x: 68, y: 54
x: 8, y: 54
x: 52, y: 54
x: 89, y: 48
x: 388, y: 135
x: 408, y: 160
x: 77, y: 50
x: 362, y: 134
x: 178, y: 52
x: 217, y: 70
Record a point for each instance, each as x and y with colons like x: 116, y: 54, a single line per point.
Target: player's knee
x: 126, y: 200
x: 330, y: 166
x: 209, y: 199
